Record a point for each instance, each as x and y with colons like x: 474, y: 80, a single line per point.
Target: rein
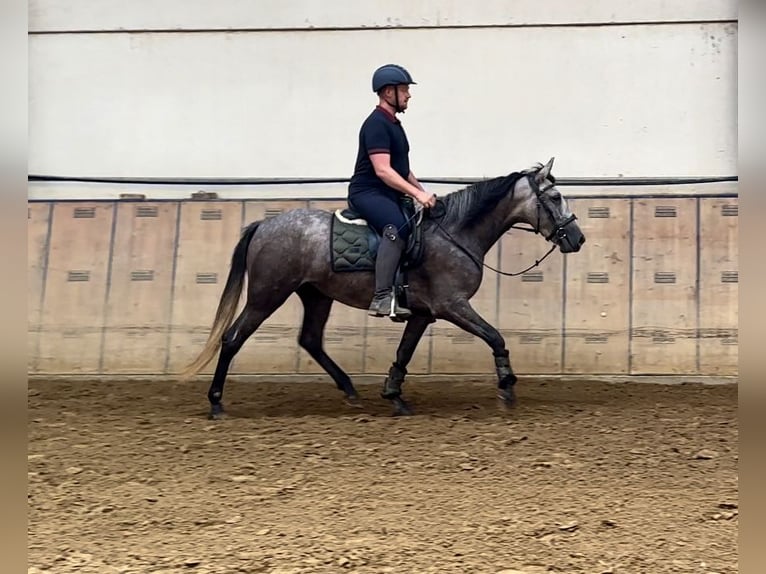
x: 557, y: 231
x: 481, y: 263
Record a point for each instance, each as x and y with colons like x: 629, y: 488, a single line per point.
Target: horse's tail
x: 227, y: 306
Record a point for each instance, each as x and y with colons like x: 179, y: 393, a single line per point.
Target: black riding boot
x: 386, y: 264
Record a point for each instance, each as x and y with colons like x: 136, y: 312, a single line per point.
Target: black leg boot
x: 386, y: 263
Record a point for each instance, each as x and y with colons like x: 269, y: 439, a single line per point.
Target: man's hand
x: 426, y: 199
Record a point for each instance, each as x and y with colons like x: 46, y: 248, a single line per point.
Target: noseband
x: 559, y: 224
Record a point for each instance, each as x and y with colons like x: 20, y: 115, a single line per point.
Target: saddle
x: 355, y: 242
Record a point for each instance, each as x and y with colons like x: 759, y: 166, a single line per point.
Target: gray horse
x: 289, y: 253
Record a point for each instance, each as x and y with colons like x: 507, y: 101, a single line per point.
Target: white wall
x: 606, y: 100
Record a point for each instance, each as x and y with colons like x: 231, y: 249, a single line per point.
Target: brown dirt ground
x: 581, y: 477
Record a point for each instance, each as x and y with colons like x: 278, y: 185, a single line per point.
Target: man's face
x: 403, y: 90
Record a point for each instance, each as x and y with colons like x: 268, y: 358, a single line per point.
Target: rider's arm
x: 382, y: 163
x: 414, y: 181
x: 377, y: 142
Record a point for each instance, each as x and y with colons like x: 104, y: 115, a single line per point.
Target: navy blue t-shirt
x: 380, y: 132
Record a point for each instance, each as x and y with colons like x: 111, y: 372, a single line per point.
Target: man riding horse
x: 382, y: 175
x: 468, y: 222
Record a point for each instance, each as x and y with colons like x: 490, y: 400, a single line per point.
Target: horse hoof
x: 353, y: 401
x: 507, y: 397
x: 216, y: 413
x: 401, y: 409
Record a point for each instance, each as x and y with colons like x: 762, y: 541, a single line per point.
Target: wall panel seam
x: 697, y: 286
x: 108, y: 286
x: 172, y: 289
x: 371, y: 29
x: 630, y: 286
x: 40, y: 313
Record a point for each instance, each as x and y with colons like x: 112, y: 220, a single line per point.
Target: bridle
x: 559, y: 225
x: 559, y: 231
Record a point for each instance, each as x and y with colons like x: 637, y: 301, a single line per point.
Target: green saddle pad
x: 353, y: 246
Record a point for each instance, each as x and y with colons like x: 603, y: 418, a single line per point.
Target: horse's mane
x: 464, y: 206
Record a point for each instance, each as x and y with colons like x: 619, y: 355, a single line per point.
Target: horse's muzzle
x: 571, y: 240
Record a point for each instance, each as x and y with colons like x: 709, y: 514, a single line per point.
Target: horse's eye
x: 556, y: 196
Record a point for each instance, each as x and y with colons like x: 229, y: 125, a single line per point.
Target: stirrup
x: 396, y: 311
x: 392, y: 309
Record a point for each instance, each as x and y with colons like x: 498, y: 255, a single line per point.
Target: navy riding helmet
x: 390, y: 75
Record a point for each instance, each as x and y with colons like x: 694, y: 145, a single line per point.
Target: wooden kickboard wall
x: 131, y: 287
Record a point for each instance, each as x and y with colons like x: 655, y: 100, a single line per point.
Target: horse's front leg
x: 392, y: 386
x: 462, y: 315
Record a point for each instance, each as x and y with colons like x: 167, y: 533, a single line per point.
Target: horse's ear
x: 545, y: 171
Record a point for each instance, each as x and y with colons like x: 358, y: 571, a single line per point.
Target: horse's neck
x: 483, y: 233
x: 492, y: 231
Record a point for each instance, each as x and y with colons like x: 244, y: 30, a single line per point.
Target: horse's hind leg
x: 235, y: 336
x: 316, y: 312
x: 392, y: 387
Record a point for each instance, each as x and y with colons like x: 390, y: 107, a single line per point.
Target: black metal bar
x: 637, y: 195
x: 574, y: 181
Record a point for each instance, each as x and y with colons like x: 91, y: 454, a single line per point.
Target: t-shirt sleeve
x: 376, y: 138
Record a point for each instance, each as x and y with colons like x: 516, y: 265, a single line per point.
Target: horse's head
x: 543, y: 207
